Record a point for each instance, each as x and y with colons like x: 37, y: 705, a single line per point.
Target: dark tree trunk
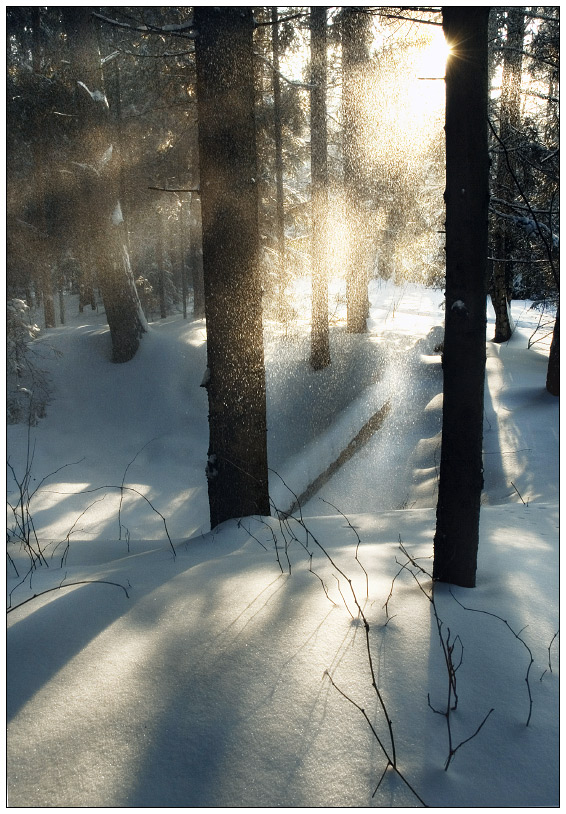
x: 99, y: 220
x: 355, y: 59
x: 467, y: 195
x: 320, y: 338
x: 509, y: 118
x: 553, y: 370
x: 237, y: 456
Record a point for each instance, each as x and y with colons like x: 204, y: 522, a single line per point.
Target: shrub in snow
x: 26, y: 387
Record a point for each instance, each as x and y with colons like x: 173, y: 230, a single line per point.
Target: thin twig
x: 68, y: 585
x: 357, y: 536
x: 516, y: 635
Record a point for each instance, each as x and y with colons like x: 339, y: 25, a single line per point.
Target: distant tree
x: 467, y: 196
x: 41, y: 168
x: 235, y: 380
x: 320, y: 339
x: 99, y: 226
x: 355, y: 37
x: 503, y: 187
x: 525, y: 214
x: 283, y: 152
x: 195, y: 255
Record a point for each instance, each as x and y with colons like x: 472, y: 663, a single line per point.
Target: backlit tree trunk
x: 235, y: 381
x: 98, y: 213
x: 355, y: 29
x: 467, y: 195
x: 278, y: 139
x: 320, y: 338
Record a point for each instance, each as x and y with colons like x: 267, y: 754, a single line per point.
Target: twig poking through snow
x: 517, y: 636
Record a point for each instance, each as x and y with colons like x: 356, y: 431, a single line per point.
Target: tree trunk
x: 278, y: 138
x: 197, y: 273
x: 355, y: 58
x: 45, y: 272
x: 237, y: 454
x: 320, y: 338
x: 182, y: 252
x: 553, y: 370
x: 160, y: 261
x: 100, y: 221
x: 467, y: 195
x: 509, y: 117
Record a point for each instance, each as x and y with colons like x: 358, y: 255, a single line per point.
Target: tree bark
x: 237, y: 455
x: 355, y: 59
x: 320, y: 337
x: 467, y: 195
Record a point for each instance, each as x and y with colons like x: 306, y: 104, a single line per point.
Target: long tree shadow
x: 188, y: 693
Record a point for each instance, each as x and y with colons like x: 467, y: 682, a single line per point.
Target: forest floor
x: 196, y: 672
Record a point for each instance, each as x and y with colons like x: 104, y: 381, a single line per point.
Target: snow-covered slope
x: 200, y: 677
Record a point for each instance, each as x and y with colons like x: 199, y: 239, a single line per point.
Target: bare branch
x: 68, y: 585
x: 181, y: 30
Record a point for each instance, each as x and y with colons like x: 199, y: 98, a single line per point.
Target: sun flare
x: 433, y: 60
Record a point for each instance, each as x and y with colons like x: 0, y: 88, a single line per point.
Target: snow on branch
x: 530, y: 225
x: 177, y: 30
x: 95, y: 95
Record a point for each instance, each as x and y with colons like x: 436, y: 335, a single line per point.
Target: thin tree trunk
x: 181, y: 249
x: 61, y: 292
x: 237, y: 455
x: 45, y: 274
x: 160, y: 259
x: 509, y: 117
x: 278, y: 138
x: 197, y: 273
x: 355, y: 57
x: 320, y: 337
x: 467, y: 195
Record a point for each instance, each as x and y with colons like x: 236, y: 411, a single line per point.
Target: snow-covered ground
x: 200, y: 677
